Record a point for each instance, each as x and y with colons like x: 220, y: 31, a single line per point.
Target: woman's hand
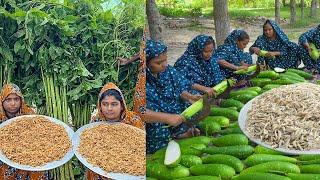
x: 193, y: 98
x: 210, y: 91
x: 245, y: 64
x: 242, y: 67
x: 308, y: 48
x: 170, y: 119
x: 204, y: 89
x: 175, y: 120
x: 125, y: 61
x: 270, y: 54
x: 256, y: 50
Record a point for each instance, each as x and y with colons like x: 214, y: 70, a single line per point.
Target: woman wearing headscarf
x: 12, y: 104
x: 311, y: 36
x: 112, y: 108
x: 282, y: 52
x: 231, y: 56
x: 198, y: 66
x: 167, y: 96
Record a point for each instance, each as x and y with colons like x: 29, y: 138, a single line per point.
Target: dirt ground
x: 180, y: 31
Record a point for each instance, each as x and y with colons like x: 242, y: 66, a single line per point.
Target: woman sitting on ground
x: 167, y: 96
x: 198, y: 66
x: 231, y: 56
x: 281, y: 52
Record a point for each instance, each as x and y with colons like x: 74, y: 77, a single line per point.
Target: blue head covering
x: 280, y: 34
x: 233, y: 36
x: 154, y: 49
x: 197, y: 45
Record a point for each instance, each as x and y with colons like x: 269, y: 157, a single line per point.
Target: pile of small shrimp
x: 287, y: 117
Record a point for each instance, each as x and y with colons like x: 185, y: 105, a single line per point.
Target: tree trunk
x: 277, y: 11
x: 293, y: 11
x: 302, y: 9
x: 221, y: 20
x: 154, y: 20
x: 314, y: 5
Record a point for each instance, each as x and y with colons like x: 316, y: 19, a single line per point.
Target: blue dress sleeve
x: 181, y: 65
x: 222, y: 53
x: 307, y: 36
x: 184, y: 83
x: 188, y: 69
x: 152, y: 98
x: 177, y: 81
x: 247, y: 58
x: 218, y: 76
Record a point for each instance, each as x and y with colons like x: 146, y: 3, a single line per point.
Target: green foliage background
x: 77, y: 39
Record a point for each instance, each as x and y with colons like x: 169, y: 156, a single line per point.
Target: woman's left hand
x: 245, y: 64
x: 241, y: 67
x: 123, y: 61
x: 210, y: 91
x: 194, y: 98
x: 308, y: 48
x: 256, y: 50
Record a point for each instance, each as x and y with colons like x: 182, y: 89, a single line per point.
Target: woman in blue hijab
x: 230, y: 55
x: 282, y: 52
x: 167, y: 96
x: 311, y: 36
x: 197, y: 64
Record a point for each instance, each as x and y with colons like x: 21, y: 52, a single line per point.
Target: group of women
x: 171, y: 89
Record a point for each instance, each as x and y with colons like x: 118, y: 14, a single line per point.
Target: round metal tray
x: 242, y: 120
x: 47, y: 166
x: 98, y: 170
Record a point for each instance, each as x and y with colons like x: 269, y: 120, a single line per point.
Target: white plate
x: 242, y: 123
x: 48, y: 166
x: 98, y: 170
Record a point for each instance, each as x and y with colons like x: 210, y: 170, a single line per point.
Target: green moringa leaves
x: 71, y: 40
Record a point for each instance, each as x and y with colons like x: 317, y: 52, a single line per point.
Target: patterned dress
x: 194, y: 67
x: 311, y: 36
x: 289, y: 51
x: 140, y: 100
x: 231, y: 53
x: 7, y: 172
